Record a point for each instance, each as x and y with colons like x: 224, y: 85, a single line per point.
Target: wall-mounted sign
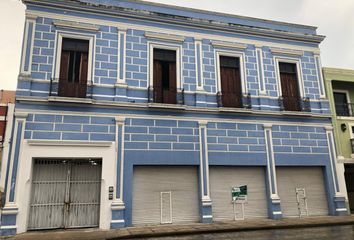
x: 239, y: 193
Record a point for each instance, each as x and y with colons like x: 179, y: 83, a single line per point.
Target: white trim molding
x: 166, y: 46
x: 76, y: 25
x: 74, y: 35
x: 260, y: 71
x: 33, y: 142
x: 229, y: 45
x: 299, y: 74
x: 199, y: 66
x: 321, y: 82
x: 289, y: 52
x: 27, y: 48
x: 237, y: 54
x: 122, y: 40
x: 165, y: 37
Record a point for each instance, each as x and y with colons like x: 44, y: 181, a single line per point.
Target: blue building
x: 131, y: 113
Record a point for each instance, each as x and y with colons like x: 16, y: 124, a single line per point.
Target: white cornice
x: 232, y: 45
x: 290, y: 52
x: 76, y: 25
x: 166, y: 37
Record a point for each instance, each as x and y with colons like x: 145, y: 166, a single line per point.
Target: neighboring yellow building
x: 340, y: 91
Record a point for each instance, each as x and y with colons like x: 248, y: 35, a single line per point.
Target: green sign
x: 239, y: 193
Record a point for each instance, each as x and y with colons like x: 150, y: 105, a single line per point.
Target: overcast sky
x: 334, y: 19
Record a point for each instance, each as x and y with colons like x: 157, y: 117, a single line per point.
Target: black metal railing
x: 180, y: 96
x: 60, y: 88
x: 294, y: 104
x: 246, y: 100
x: 345, y: 109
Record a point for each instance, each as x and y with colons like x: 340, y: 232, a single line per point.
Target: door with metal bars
x: 65, y: 194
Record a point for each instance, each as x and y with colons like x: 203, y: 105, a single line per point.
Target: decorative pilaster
x: 121, y: 86
x: 332, y: 178
x: 118, y: 206
x: 206, y: 204
x: 27, y: 47
x: 9, y: 212
x: 274, y: 207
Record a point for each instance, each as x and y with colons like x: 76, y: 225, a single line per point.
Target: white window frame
x: 58, y: 49
x: 348, y: 100
x: 237, y: 54
x: 165, y: 46
x: 299, y: 74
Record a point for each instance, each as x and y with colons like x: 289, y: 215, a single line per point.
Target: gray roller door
x: 65, y: 194
x: 163, y: 195
x: 222, y: 179
x: 309, y: 178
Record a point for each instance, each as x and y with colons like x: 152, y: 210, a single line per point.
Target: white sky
x: 334, y: 19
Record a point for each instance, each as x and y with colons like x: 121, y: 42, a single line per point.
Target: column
x: 118, y: 206
x: 9, y: 212
x: 274, y: 207
x: 206, y: 204
x: 334, y: 190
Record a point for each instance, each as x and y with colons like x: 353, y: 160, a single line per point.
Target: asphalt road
x: 319, y: 233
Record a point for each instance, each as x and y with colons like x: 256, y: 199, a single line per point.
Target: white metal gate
x: 65, y: 194
x: 312, y: 201
x: 223, y: 179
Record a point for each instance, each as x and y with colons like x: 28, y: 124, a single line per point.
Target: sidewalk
x: 166, y: 230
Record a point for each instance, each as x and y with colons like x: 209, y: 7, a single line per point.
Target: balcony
x: 345, y: 110
x: 246, y: 101
x: 294, y: 104
x: 77, y: 89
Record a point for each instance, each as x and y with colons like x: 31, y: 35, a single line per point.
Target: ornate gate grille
x: 65, y: 194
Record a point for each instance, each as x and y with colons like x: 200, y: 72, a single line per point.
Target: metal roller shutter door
x: 222, y: 179
x: 310, y: 178
x: 175, y: 187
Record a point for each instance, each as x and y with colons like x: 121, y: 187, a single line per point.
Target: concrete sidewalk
x: 167, y: 230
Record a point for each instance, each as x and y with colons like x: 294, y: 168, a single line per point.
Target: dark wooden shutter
x: 82, y: 86
x: 64, y: 73
x: 289, y: 85
x: 157, y: 82
x: 172, y: 96
x: 230, y: 84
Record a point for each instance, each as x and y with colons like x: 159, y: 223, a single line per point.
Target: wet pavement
x: 317, y: 233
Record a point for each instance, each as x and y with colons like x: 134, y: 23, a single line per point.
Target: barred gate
x: 65, y: 194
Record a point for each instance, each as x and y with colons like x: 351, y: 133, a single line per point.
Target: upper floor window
x: 230, y: 77
x: 290, y: 86
x: 73, y: 68
x: 165, y: 76
x: 341, y: 104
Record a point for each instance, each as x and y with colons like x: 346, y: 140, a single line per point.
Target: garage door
x: 163, y: 195
x: 222, y: 179
x: 65, y: 194
x: 311, y: 179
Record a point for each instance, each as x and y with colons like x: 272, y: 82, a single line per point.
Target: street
x: 320, y: 233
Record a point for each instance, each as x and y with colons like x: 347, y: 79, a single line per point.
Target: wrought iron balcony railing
x: 63, y: 88
x: 345, y: 109
x: 246, y: 101
x: 294, y: 104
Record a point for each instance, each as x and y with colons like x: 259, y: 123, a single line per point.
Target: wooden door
x: 73, y: 68
x: 289, y: 85
x: 230, y: 82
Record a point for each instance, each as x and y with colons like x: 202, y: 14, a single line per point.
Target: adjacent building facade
x: 133, y: 113
x: 340, y: 89
x: 7, y: 105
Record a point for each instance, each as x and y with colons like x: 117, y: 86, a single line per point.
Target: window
x: 73, y: 68
x: 231, y: 89
x: 289, y: 86
x: 164, y: 76
x: 341, y: 104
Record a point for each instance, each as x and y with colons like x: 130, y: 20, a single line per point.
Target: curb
x: 234, y: 228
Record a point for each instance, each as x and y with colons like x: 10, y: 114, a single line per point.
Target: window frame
x: 173, y: 47
x: 346, y: 92
x: 241, y: 56
x: 299, y: 75
x: 91, y: 53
